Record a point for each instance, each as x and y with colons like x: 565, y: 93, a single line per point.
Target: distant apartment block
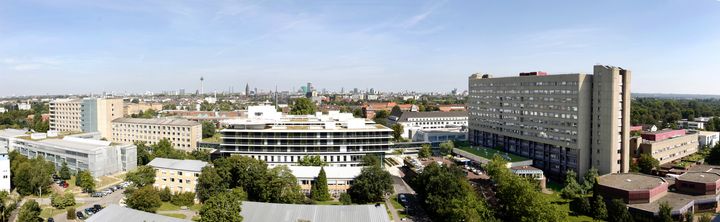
x: 177, y: 175
x: 414, y: 121
x: 563, y: 122
x: 65, y: 115
x: 338, y: 138
x: 135, y: 108
x: 24, y: 106
x: 668, y: 145
x: 85, y: 115
x: 183, y: 134
x: 708, y: 138
x: 692, y: 125
x: 99, y: 157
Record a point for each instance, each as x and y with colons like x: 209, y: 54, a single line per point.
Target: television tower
x: 202, y: 91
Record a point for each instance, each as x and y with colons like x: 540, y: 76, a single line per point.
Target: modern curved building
x: 278, y: 139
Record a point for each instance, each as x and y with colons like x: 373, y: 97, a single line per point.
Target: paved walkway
x: 393, y: 211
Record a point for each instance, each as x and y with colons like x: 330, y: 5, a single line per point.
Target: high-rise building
x: 96, y: 115
x: 563, y: 122
x: 65, y: 115
x: 247, y: 89
x: 278, y: 139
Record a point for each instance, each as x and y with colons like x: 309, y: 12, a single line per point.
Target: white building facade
x: 414, y: 121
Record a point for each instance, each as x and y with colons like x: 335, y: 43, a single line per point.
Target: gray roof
x: 270, y: 212
x: 115, y: 213
x: 185, y: 165
x: 158, y: 121
x: 13, y: 132
x: 404, y: 116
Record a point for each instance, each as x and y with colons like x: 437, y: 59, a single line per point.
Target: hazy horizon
x: 72, y: 47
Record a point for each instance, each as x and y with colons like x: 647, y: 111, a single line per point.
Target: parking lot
x: 89, y: 202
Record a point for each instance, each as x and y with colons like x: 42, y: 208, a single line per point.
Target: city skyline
x: 63, y: 47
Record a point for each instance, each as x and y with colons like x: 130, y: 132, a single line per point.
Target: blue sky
x: 67, y: 46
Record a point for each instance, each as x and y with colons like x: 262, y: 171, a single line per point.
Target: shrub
x: 183, y: 199
x: 71, y: 213
x: 345, y: 199
x: 165, y: 194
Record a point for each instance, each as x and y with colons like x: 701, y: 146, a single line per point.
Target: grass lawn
x: 179, y: 216
x: 105, y: 181
x: 168, y: 207
x: 562, y: 203
x: 196, y: 207
x: 214, y: 139
x: 489, y: 153
x: 48, y: 211
x: 398, y: 206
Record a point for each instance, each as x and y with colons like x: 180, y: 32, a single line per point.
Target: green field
x: 489, y: 153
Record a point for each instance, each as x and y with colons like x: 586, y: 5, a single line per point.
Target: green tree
x: 165, y: 194
x: 200, y: 154
x: 164, y: 149
x: 397, y: 131
x: 210, y: 184
x: 283, y: 186
x: 447, y: 147
x: 85, y: 180
x: 590, y: 179
x: 618, y: 212
x: 65, y: 171
x: 183, y: 199
x: 665, y: 214
x: 705, y: 218
x: 345, y: 199
x: 30, y: 212
x: 599, y: 209
x: 581, y: 205
x: 62, y: 201
x: 319, y: 190
x: 572, y: 189
x: 371, y: 185
x: 247, y: 173
x: 647, y: 163
x: 425, y: 151
x: 312, y: 160
x: 370, y: 160
x: 31, y: 176
x: 303, y: 106
x: 144, y: 198
x: 208, y: 129
x: 71, y: 214
x: 395, y: 110
x: 143, y: 155
x: 224, y: 207
x: 518, y: 197
x: 381, y: 117
x: 714, y: 156
x: 446, y: 195
x: 141, y: 176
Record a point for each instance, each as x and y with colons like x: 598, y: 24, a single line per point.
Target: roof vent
x: 702, y: 175
x: 628, y: 180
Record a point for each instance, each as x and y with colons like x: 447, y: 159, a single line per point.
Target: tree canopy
x: 141, y: 176
x: 319, y: 190
x: 425, y: 151
x: 371, y: 185
x: 223, y: 207
x: 647, y: 163
x: 311, y: 160
x: 30, y: 212
x: 208, y: 129
x: 30, y: 176
x: 303, y: 106
x: 519, y: 198
x: 397, y: 131
x: 447, y: 196
x: 144, y: 198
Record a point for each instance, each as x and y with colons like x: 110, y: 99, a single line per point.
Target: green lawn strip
x: 179, y: 216
x: 399, y: 207
x: 49, y: 211
x: 489, y: 153
x: 168, y: 207
x: 329, y: 202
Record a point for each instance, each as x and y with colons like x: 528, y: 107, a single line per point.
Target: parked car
x: 97, y: 207
x: 89, y: 211
x: 80, y: 215
x: 112, y: 188
x: 97, y: 194
x: 50, y: 219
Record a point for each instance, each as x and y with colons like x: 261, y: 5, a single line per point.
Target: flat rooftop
x: 489, y: 153
x: 76, y: 143
x: 185, y: 165
x: 158, y: 121
x: 700, y: 177
x: 271, y: 212
x: 115, y: 213
x: 12, y: 133
x: 630, y: 181
x: 330, y: 172
x: 677, y: 201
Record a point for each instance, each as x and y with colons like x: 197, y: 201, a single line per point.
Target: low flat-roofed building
x: 698, y: 183
x: 689, y: 124
x: 708, y: 138
x: 182, y: 134
x: 272, y: 212
x: 414, y: 121
x: 680, y: 204
x: 633, y: 188
x: 99, y: 157
x: 116, y: 213
x: 668, y: 145
x: 339, y: 179
x: 178, y: 175
x: 437, y: 136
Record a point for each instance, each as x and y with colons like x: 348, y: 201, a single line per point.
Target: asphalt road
x: 113, y: 198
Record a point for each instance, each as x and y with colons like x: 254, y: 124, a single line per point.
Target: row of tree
x: 446, y: 195
x: 164, y: 149
x: 666, y: 112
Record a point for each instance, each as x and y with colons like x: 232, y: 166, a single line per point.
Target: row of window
x: 539, y: 83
